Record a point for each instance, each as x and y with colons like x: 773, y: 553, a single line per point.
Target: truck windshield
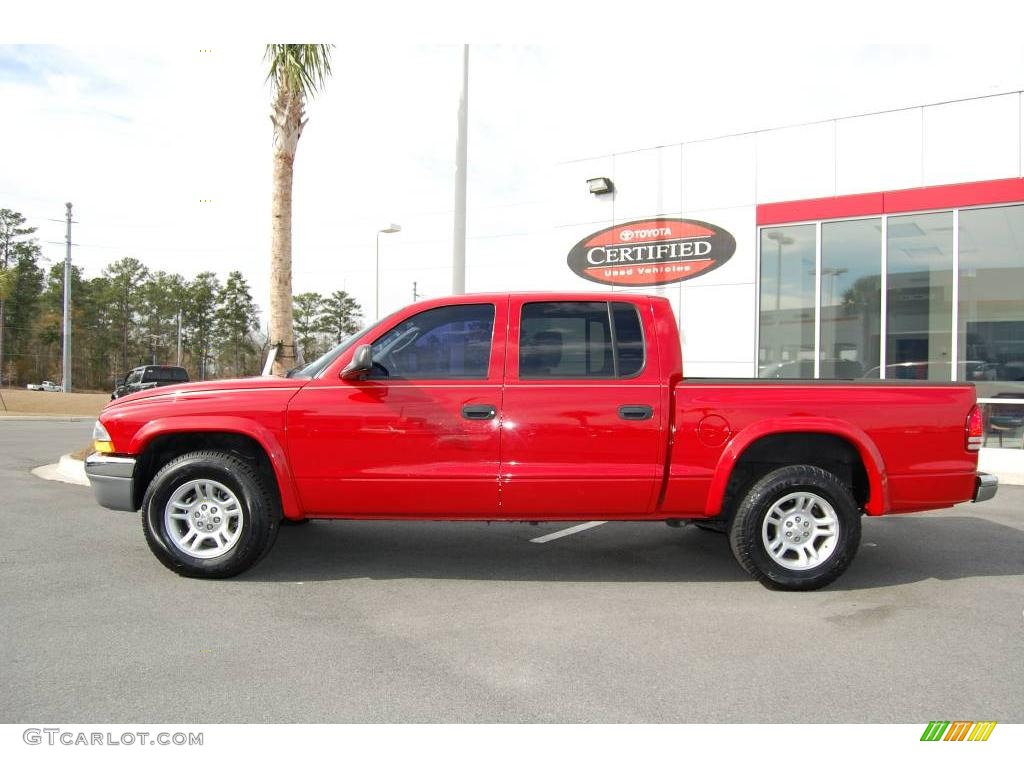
x: 317, y: 366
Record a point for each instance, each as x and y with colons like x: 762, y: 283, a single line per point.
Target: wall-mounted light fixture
x: 602, y: 185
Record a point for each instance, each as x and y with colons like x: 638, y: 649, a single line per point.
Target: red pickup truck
x: 534, y: 407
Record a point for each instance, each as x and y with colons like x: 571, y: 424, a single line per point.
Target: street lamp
x: 780, y: 239
x: 832, y: 273
x: 388, y: 230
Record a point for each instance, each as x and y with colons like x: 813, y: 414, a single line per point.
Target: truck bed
x: 720, y: 423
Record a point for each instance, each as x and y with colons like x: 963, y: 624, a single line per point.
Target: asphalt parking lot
x: 469, y: 622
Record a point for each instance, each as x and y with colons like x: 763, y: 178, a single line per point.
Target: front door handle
x: 635, y: 412
x: 479, y: 412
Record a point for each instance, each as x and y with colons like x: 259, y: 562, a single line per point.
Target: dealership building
x: 878, y: 246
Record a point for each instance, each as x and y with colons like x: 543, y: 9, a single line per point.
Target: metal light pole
x: 66, y: 361
x: 780, y: 239
x: 390, y: 229
x: 459, y: 247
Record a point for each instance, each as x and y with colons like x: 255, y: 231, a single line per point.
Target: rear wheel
x: 209, y: 514
x: 797, y: 528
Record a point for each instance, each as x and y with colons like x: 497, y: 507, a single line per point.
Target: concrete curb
x: 67, y: 470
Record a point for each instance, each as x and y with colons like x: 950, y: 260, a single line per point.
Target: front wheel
x: 798, y: 528
x: 209, y: 514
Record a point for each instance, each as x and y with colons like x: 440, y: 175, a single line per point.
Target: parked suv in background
x: 147, y: 377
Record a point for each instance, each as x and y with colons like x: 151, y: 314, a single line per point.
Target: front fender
x: 878, y: 497
x: 233, y: 424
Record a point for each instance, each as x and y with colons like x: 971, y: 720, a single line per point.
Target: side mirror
x: 361, y: 363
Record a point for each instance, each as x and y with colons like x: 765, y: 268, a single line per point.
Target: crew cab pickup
x: 534, y: 407
x: 149, y: 377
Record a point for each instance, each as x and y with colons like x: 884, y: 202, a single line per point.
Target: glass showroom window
x: 990, y: 320
x: 851, y: 299
x: 990, y: 317
x: 919, y: 301
x: 786, y: 338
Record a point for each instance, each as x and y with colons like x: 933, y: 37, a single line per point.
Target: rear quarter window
x: 580, y: 340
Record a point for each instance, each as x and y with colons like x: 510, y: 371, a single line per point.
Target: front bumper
x: 985, y: 487
x: 112, y: 481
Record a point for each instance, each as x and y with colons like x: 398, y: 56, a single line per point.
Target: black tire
x: 260, y: 514
x: 749, y: 533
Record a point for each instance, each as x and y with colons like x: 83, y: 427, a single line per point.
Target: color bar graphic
x: 958, y: 730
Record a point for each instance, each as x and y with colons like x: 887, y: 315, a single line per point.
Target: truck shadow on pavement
x: 893, y: 551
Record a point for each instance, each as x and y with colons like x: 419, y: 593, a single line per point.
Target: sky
x: 165, y: 150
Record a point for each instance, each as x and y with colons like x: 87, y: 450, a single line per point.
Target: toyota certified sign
x: 651, y: 252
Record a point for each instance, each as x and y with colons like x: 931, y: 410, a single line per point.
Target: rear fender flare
x: 878, y: 496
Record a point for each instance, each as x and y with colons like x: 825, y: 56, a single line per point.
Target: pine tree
x: 341, y: 316
x: 197, y: 319
x: 16, y: 242
x: 126, y: 278
x: 235, y: 320
x: 308, y: 308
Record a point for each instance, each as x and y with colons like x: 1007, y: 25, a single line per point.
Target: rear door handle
x: 635, y: 412
x: 479, y: 412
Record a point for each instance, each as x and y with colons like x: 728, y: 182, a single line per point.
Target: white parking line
x: 567, y: 531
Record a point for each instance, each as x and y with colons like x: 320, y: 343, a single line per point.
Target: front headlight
x: 101, y: 442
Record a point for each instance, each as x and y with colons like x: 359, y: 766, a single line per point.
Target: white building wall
x: 971, y: 140
x: 796, y: 163
x: 878, y: 152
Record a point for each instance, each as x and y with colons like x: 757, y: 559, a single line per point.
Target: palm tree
x: 297, y: 72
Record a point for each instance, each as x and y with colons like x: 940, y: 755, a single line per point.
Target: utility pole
x: 459, y: 248
x: 179, y: 339
x: 66, y: 384
x: 415, y: 293
x: 155, y: 338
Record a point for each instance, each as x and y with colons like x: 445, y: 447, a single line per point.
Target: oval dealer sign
x: 651, y: 252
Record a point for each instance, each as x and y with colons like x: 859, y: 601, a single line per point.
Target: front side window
x: 443, y: 343
x: 580, y: 340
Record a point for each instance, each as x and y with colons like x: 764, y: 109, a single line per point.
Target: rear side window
x: 165, y: 374
x: 580, y: 340
x: 444, y: 343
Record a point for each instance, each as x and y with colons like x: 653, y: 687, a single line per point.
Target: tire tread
x: 254, y: 548
x: 745, y: 526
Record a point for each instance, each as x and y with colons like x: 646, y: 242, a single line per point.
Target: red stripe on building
x: 896, y: 201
